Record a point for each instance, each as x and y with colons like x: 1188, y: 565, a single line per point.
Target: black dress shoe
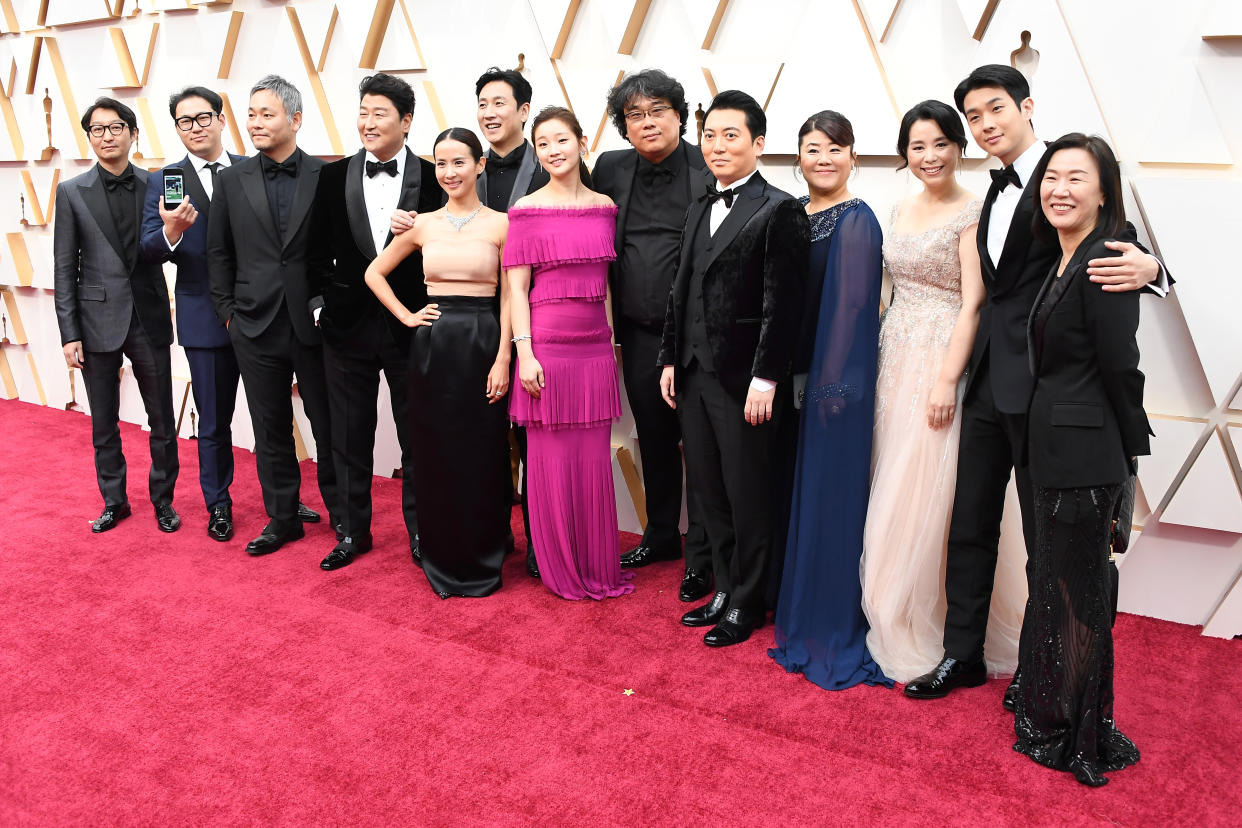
x: 947, y: 676
x: 734, y: 628
x: 416, y: 552
x: 695, y: 585
x: 306, y: 514
x: 166, y: 518
x: 532, y: 565
x: 1010, y: 700
x: 220, y: 522
x: 709, y: 613
x: 272, y: 538
x: 642, y: 555
x: 344, y: 553
x: 111, y: 516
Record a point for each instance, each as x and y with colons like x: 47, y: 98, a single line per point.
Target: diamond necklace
x: 459, y: 223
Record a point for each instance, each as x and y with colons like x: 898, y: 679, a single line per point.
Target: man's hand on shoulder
x: 1132, y: 270
x: 401, y: 221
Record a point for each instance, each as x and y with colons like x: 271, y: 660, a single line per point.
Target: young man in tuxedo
x: 111, y: 304
x: 257, y: 242
x: 653, y: 184
x: 996, y: 102
x: 179, y: 235
x: 352, y: 217
x: 726, y: 351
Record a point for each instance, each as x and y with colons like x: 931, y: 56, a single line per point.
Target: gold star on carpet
x: 627, y: 692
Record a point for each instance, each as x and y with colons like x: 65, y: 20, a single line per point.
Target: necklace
x: 459, y: 223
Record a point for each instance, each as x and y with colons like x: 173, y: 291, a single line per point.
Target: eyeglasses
x: 637, y: 116
x: 186, y: 122
x: 116, y: 128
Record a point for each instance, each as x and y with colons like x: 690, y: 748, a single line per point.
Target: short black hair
x: 520, y: 86
x: 756, y: 121
x: 833, y: 124
x: 391, y: 87
x: 124, y: 112
x: 213, y: 100
x: 463, y: 135
x: 993, y: 75
x: 1112, y: 217
x: 649, y: 83
x: 942, y: 115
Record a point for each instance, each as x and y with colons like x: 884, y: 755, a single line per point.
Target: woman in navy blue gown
x: 820, y: 628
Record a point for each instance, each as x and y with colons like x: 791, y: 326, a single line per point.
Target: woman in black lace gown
x: 1086, y: 426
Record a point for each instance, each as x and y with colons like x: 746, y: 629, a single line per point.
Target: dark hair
x: 649, y: 83
x: 833, y: 124
x: 756, y: 121
x: 395, y: 89
x: 462, y: 135
x: 942, y: 115
x: 1112, y: 216
x: 556, y: 113
x: 519, y: 85
x: 993, y: 75
x: 213, y: 100
x: 123, y: 112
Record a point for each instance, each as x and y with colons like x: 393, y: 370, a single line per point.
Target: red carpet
x: 167, y: 679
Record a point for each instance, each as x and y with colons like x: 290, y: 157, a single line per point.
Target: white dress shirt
x: 204, y: 175
x: 381, y: 195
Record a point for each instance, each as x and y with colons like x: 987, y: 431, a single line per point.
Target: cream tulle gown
x: 914, y: 471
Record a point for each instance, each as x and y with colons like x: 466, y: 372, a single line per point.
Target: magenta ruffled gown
x: 573, y: 510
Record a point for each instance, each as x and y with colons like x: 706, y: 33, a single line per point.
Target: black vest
x: 695, y: 345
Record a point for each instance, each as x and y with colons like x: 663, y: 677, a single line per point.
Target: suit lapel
x: 194, y: 185
x: 256, y: 194
x: 303, y: 197
x: 411, y: 187
x: 525, y: 172
x: 985, y: 220
x: 356, y: 207
x: 745, y: 204
x: 626, y: 166
x: 1018, y: 237
x: 97, y: 203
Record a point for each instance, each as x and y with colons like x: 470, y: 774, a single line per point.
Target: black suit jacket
x: 754, y: 278
x: 614, y: 177
x: 252, y: 270
x: 342, y: 247
x: 1086, y: 416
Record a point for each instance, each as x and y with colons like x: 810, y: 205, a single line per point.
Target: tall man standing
x: 727, y: 350
x: 110, y: 304
x: 654, y: 184
x: 256, y: 251
x: 179, y: 235
x: 353, y: 211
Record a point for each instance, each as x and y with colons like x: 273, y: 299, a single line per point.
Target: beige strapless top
x: 461, y: 266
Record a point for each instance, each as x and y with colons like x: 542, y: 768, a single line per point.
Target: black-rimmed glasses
x: 186, y: 122
x: 116, y: 128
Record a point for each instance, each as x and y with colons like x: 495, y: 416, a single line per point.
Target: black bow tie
x: 721, y: 195
x: 289, y: 168
x: 125, y: 182
x: 374, y: 168
x: 1002, y: 178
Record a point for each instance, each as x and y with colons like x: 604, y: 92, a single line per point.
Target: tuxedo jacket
x: 197, y: 324
x: 530, y: 177
x: 614, y: 177
x: 99, y: 282
x: 252, y: 270
x: 754, y: 276
x: 1086, y: 416
x: 342, y: 247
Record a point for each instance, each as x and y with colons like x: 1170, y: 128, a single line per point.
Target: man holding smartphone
x: 177, y: 233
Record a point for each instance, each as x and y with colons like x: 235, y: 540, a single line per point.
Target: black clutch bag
x: 1123, y: 517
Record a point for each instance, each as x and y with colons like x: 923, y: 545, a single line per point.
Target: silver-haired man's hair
x: 289, y: 95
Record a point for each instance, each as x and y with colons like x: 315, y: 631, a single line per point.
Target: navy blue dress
x: 820, y: 628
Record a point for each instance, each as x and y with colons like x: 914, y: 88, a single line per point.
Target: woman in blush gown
x: 925, y: 342
x: 820, y: 628
x: 561, y: 239
x: 458, y: 375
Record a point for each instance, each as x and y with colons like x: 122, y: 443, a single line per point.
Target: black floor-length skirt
x: 458, y: 441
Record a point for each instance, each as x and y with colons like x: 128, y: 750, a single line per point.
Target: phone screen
x: 174, y: 190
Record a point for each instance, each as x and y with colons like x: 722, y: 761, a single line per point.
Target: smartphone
x: 174, y: 189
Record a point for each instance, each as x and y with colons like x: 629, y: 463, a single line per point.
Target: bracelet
x: 518, y: 339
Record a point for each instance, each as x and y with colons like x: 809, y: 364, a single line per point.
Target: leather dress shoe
x: 220, y: 522
x: 642, y: 555
x: 947, y: 676
x: 306, y: 514
x: 734, y: 628
x: 694, y: 585
x: 111, y: 516
x: 166, y: 518
x: 416, y: 552
x: 272, y: 538
x: 343, y: 553
x: 1010, y: 700
x: 708, y: 614
x: 532, y: 565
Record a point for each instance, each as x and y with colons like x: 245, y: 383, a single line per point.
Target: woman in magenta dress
x: 556, y: 257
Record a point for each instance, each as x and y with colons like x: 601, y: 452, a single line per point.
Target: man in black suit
x: 727, y: 349
x: 653, y: 184
x: 179, y: 235
x: 352, y: 217
x: 109, y: 305
x: 257, y: 241
x: 996, y: 102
